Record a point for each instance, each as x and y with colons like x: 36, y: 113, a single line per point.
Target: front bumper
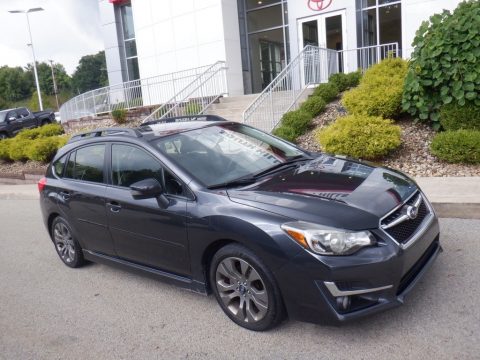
x: 372, y: 280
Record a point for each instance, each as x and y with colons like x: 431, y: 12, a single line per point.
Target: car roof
x: 155, y: 129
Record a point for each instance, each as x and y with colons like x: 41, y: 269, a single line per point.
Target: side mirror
x: 149, y: 189
x: 10, y: 119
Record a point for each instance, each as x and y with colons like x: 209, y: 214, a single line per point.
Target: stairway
x: 232, y: 107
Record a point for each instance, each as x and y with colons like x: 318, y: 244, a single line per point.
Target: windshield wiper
x: 236, y: 182
x: 288, y: 163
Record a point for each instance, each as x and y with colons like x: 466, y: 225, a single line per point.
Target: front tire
x: 245, y: 289
x: 3, y: 136
x: 67, y: 247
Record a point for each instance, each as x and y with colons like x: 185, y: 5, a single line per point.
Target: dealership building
x: 256, y: 38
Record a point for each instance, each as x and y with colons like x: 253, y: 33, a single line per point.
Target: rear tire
x: 67, y: 247
x: 245, y: 289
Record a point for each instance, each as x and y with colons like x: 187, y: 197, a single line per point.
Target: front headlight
x: 325, y: 240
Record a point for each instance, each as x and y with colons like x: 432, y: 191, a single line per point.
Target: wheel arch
x: 50, y: 220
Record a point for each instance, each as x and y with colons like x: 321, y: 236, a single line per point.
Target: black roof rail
x: 106, y: 132
x: 184, y: 118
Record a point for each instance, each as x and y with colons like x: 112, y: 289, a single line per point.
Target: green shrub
x: 314, y: 105
x: 345, y: 81
x: 445, y: 63
x: 380, y: 91
x: 461, y: 146
x: 328, y: 92
x: 193, y: 109
x: 40, y: 132
x: 360, y: 136
x: 119, y: 116
x: 4, y: 149
x: 17, y: 150
x: 293, y: 124
x: 44, y: 149
x: 456, y: 117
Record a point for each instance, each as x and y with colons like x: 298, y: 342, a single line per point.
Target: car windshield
x: 224, y: 153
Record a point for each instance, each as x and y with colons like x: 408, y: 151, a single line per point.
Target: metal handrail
x: 150, y: 91
x: 313, y: 65
x: 283, y: 93
x: 197, y: 96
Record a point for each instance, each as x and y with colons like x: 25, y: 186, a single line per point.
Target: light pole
x: 26, y: 12
x: 55, y: 90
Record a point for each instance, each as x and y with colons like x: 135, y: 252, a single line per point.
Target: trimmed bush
x: 40, y: 132
x: 17, y: 149
x: 461, y: 146
x: 456, y: 117
x: 119, y: 116
x: 44, y: 149
x: 328, y: 92
x: 380, y: 91
x: 345, y: 81
x: 192, y: 109
x: 4, y: 146
x: 360, y: 136
x: 314, y: 105
x: 445, y: 63
x: 293, y: 124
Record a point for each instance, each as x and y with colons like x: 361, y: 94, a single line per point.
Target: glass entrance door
x: 326, y: 31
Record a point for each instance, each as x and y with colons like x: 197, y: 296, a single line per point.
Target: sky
x: 64, y: 32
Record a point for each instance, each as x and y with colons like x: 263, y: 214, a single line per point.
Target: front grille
x: 406, y: 229
x: 417, y: 267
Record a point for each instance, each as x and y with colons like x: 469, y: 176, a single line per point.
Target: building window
x: 265, y: 28
x: 129, y: 43
x: 380, y: 22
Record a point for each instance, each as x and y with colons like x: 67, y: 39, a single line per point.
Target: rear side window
x: 58, y: 166
x: 130, y: 164
x: 87, y: 164
x: 23, y: 112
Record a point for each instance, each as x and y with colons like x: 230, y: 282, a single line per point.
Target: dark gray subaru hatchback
x: 217, y: 206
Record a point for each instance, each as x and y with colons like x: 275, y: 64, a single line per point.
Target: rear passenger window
x: 87, y: 164
x: 130, y: 164
x: 23, y: 112
x: 58, y: 166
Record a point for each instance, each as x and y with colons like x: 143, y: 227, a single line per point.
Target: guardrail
x: 313, y: 65
x: 197, y: 96
x: 151, y: 91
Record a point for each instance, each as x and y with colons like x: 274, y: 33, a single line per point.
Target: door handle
x: 65, y: 195
x: 114, y: 206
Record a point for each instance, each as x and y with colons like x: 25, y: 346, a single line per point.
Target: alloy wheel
x: 64, y: 242
x: 241, y: 289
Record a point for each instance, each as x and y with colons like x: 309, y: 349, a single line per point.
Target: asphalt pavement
x: 48, y: 311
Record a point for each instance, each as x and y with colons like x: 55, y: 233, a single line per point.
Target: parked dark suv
x: 218, y: 206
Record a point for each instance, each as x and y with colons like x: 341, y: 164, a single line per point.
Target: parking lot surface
x: 48, y: 311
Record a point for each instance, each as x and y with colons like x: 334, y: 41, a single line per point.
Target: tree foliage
x: 445, y: 64
x: 15, y: 83
x: 91, y: 73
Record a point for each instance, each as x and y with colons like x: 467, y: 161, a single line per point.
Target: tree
x: 45, y: 79
x: 15, y: 84
x: 90, y: 74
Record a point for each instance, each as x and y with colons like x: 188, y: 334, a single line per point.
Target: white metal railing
x: 132, y: 94
x: 364, y: 57
x: 313, y: 65
x: 197, y: 96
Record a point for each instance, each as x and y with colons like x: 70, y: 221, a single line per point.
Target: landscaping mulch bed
x: 412, y: 157
x: 15, y: 169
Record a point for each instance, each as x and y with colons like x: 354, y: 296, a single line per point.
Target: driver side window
x: 131, y: 164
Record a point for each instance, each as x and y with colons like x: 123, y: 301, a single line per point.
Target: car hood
x: 331, y: 190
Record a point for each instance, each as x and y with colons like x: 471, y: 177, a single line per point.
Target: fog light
x: 343, y: 302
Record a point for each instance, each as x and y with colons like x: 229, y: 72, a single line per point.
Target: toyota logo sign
x: 319, y: 5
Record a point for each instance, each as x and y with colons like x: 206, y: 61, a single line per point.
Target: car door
x: 144, y: 231
x: 27, y: 118
x: 14, y: 123
x: 81, y: 198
